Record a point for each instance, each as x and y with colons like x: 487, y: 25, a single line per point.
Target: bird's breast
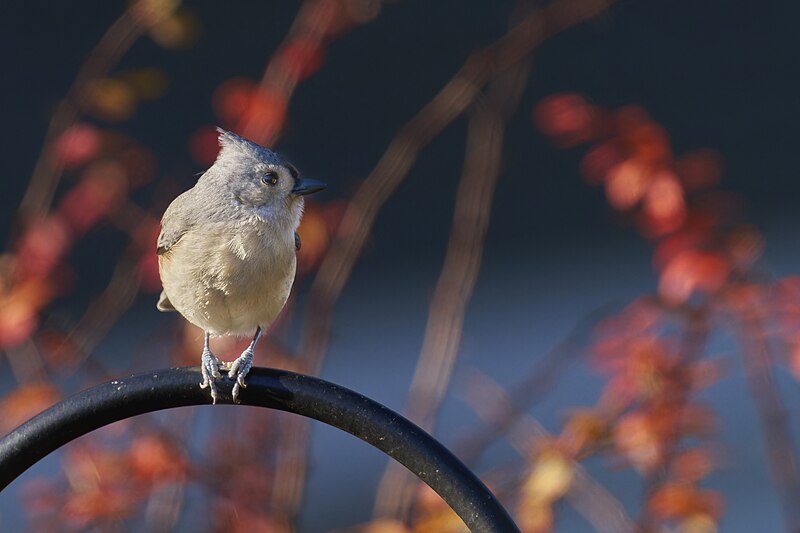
x: 230, y: 282
x: 256, y: 278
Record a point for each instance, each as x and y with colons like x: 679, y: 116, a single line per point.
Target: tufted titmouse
x: 226, y: 252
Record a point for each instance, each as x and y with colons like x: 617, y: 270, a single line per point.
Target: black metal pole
x: 276, y: 389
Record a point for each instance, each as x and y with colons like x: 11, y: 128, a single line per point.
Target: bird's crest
x: 229, y: 140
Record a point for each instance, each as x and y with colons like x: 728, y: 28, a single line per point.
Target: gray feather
x: 177, y: 220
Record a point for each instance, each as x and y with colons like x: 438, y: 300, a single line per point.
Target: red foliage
x: 24, y: 402
x: 77, y: 146
x: 693, y: 271
x: 103, y: 188
x: 568, y: 118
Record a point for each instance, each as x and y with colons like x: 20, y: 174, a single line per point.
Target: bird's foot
x: 238, y: 370
x: 210, y: 366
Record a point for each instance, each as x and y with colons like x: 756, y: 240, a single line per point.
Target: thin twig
x: 104, y: 310
x: 781, y: 454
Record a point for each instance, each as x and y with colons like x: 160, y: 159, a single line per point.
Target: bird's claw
x: 210, y: 367
x: 238, y: 370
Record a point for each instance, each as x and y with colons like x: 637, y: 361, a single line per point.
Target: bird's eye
x: 271, y: 178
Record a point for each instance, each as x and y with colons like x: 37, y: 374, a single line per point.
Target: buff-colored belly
x: 229, y: 284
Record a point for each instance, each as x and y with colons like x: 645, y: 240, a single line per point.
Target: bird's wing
x: 177, y: 220
x: 174, y: 225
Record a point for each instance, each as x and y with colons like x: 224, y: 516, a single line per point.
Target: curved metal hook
x: 275, y: 389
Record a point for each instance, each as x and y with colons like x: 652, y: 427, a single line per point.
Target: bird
x: 227, y: 249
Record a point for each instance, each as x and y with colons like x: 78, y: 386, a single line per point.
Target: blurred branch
x: 452, y: 100
x: 482, y: 165
x: 26, y: 362
x: 604, y: 511
x: 781, y: 456
x: 540, y: 380
x: 599, y: 506
x: 104, y: 311
x: 116, y: 41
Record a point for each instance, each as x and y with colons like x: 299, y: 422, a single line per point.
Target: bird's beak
x: 305, y: 186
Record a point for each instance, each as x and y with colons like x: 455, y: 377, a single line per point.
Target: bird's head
x: 259, y: 179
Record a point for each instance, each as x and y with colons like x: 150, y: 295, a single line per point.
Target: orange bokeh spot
x: 664, y: 207
x: 664, y: 197
x: 18, y: 320
x: 111, y: 99
x: 103, y: 188
x: 265, y: 115
x: 626, y: 184
x: 151, y: 459
x: 699, y: 523
x: 43, y: 245
x: 256, y: 111
x: 232, y: 98
x: 675, y: 500
x: 691, y: 271
x: 179, y: 29
x: 585, y: 427
x: 77, y: 145
x: 550, y: 477
x: 649, y: 141
x: 687, y: 238
x: 567, y: 117
x: 26, y: 401
x: 100, y: 487
x: 637, y: 440
x: 598, y: 162
x: 535, y: 517
x: 97, y: 504
x: 693, y: 465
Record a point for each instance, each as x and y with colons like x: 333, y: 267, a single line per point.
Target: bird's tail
x: 164, y: 304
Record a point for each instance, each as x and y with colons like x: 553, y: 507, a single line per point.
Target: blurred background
x: 560, y: 235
